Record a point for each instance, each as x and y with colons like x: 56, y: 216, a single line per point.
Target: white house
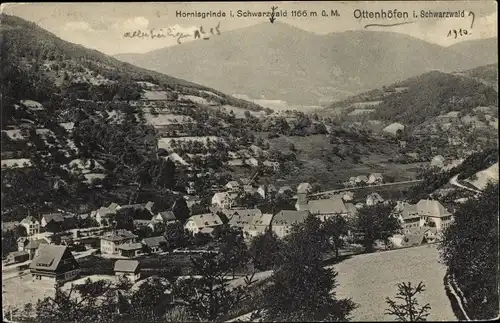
x: 128, y: 268
x: 111, y: 242
x: 52, y: 217
x: 197, y: 223
x: 375, y: 178
x: 224, y: 200
x: 31, y: 224
x: 374, y: 198
x: 233, y: 186
x: 428, y: 213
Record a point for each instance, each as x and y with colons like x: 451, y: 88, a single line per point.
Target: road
x: 364, y: 187
x: 454, y: 181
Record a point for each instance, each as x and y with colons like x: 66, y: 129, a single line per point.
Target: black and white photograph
x: 306, y: 161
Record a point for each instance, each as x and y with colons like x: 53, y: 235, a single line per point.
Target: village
x: 52, y: 242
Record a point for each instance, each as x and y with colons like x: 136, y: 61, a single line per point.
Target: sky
x: 102, y: 26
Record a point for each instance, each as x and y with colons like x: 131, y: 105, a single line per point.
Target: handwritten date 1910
x: 456, y: 33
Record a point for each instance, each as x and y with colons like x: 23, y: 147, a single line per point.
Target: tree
x: 181, y: 210
x: 234, y: 251
x: 264, y: 250
x: 376, y: 222
x: 21, y: 231
x: 336, y: 228
x: 470, y: 251
x: 301, y: 288
x: 176, y: 236
x: 409, y: 310
x: 9, y: 242
x: 210, y: 297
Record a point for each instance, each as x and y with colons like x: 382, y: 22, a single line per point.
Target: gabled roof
x: 105, y: 212
x: 376, y: 175
x: 113, y: 206
x: 262, y: 220
x: 48, y: 257
x: 326, y: 206
x: 154, y: 241
x: 167, y: 216
x: 119, y: 235
x: 233, y: 184
x: 129, y: 266
x: 283, y: 189
x: 410, y: 211
x: 35, y: 243
x: 432, y: 208
x: 362, y: 178
x: 29, y: 219
x: 130, y: 246
x: 221, y: 196
x: 289, y: 217
x: 206, y: 220
x: 413, y: 239
x: 57, y: 217
x: 243, y: 217
x: 304, y: 188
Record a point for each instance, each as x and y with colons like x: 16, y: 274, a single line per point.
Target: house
x: 402, y: 144
x: 375, y: 179
x: 429, y: 213
x: 103, y: 215
x: 265, y: 190
x: 362, y: 179
x: 128, y: 268
x: 149, y: 206
x: 352, y: 181
x: 437, y: 161
x: 275, y: 166
x: 32, y: 246
x: 325, y: 208
x: 154, y: 243
x: 233, y: 186
x: 436, y: 215
x: 285, y: 189
x: 374, y: 198
x: 165, y: 217
x: 131, y: 250
x: 283, y: 221
x: 394, y: 128
x: 243, y: 217
x: 223, y: 200
x: 16, y: 257
x: 410, y: 218
x: 260, y: 223
x: 111, y: 241
x: 51, y: 217
x: 252, y: 162
x: 413, y: 239
x: 54, y: 263
x: 304, y: 188
x: 31, y: 224
x: 197, y: 222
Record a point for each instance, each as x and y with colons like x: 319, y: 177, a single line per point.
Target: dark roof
x: 167, y: 216
x: 57, y: 217
x: 289, y: 217
x: 154, y: 241
x: 126, y: 266
x: 130, y: 246
x: 48, y: 257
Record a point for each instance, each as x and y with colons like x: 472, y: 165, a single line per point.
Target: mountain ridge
x: 299, y: 66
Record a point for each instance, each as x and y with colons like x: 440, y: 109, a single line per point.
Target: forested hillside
x: 81, y: 128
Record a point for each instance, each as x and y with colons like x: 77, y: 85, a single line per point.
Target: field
x: 18, y: 292
x: 368, y: 279
x: 315, y: 150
